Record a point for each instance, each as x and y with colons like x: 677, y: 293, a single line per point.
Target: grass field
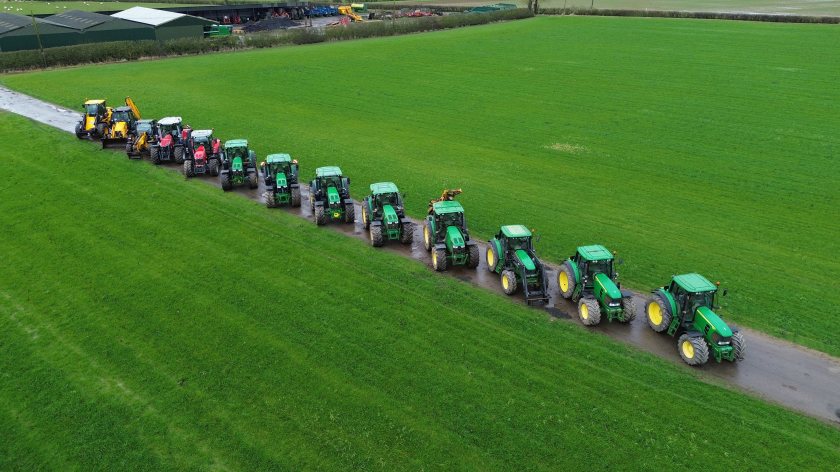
x: 25, y: 7
x: 151, y: 323
x: 702, y: 146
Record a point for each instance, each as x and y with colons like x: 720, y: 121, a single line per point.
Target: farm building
x: 166, y: 24
x: 19, y: 32
x: 95, y: 27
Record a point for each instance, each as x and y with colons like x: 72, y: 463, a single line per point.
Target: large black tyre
x: 365, y: 215
x: 492, y: 257
x: 100, y: 130
x: 128, y: 149
x: 350, y: 213
x: 589, y: 311
x: 439, y: 260
x: 739, y: 345
x: 252, y: 180
x: 376, y: 239
x: 474, y: 256
x: 188, y: 169
x: 319, y: 216
x: 213, y: 167
x: 225, y: 181
x: 154, y: 155
x: 79, y: 133
x: 270, y: 200
x: 509, y: 284
x: 566, y: 280
x: 178, y: 154
x: 427, y: 236
x: 630, y: 311
x: 407, y: 234
x: 658, y: 314
x: 295, y: 197
x: 693, y: 349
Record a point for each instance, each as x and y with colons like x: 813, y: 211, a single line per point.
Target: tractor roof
x: 694, y: 283
x: 516, y: 231
x: 170, y: 120
x: 94, y: 102
x: 236, y: 143
x: 595, y: 252
x: 383, y: 187
x: 122, y: 109
x: 145, y: 121
x: 447, y: 206
x: 202, y: 133
x: 331, y: 171
x: 277, y: 158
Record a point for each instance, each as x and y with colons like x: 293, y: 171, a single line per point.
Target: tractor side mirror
x: 725, y: 291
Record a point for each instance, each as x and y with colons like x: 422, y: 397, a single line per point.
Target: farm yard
x: 26, y: 7
x: 155, y: 322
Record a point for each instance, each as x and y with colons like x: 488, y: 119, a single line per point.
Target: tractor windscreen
x: 701, y: 299
x: 120, y: 116
x: 519, y: 243
x: 453, y: 219
x: 144, y: 127
x: 92, y: 109
x: 601, y: 267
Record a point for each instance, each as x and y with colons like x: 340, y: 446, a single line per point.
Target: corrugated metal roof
x: 9, y: 22
x: 77, y: 19
x: 148, y: 16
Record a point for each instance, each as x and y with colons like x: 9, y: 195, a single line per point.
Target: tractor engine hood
x: 332, y: 196
x: 167, y: 140
x: 710, y: 317
x: 389, y: 215
x: 454, y: 238
x: 608, y: 286
x: 525, y: 259
x: 280, y: 180
x: 236, y: 164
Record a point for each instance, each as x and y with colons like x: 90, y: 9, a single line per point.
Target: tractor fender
x: 692, y: 333
x: 319, y: 203
x: 348, y: 201
x: 431, y: 221
x: 470, y: 243
x: 575, y: 270
x: 376, y: 223
x: 405, y: 221
x: 440, y: 246
x: 668, y: 298
x: 224, y: 172
x: 496, y: 246
x: 295, y: 186
x: 626, y: 294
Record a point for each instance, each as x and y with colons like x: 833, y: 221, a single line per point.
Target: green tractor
x: 685, y: 307
x: 589, y: 279
x: 329, y: 197
x: 280, y: 174
x: 446, y: 236
x: 239, y: 165
x: 383, y: 214
x: 511, y: 254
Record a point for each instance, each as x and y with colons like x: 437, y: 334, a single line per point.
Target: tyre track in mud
x: 778, y: 371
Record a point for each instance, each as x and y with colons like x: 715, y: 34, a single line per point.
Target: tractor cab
x: 382, y: 194
x: 122, y: 115
x: 691, y: 292
x: 384, y: 215
x: 280, y: 174
x: 515, y: 241
x: 511, y: 254
x: 448, y: 213
x: 590, y: 279
x: 239, y: 165
x: 198, y: 138
x: 144, y: 126
x: 237, y: 153
x: 95, y: 108
x: 93, y: 121
x: 329, y: 196
x: 591, y: 261
x: 170, y: 126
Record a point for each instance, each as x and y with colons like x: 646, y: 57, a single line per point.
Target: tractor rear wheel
x: 629, y: 309
x: 472, y: 261
x: 178, y: 154
x: 350, y: 213
x: 589, y: 311
x: 252, y: 180
x: 154, y: 155
x: 693, y: 349
x: 295, y: 197
x: 213, y: 167
x: 79, y: 133
x: 320, y: 217
x: 407, y: 234
x: 427, y: 236
x: 376, y: 235
x: 270, y: 201
x: 188, y: 169
x: 566, y: 280
x: 739, y: 345
x: 492, y: 257
x: 439, y: 260
x: 658, y: 314
x: 509, y: 282
x: 225, y: 181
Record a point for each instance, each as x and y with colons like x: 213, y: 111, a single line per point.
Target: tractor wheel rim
x: 688, y: 349
x: 654, y: 313
x: 563, y: 280
x: 584, y: 311
x: 426, y: 235
x: 505, y: 282
x: 490, y: 259
x: 434, y: 258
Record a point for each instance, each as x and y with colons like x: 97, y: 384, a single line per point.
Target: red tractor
x: 203, y: 154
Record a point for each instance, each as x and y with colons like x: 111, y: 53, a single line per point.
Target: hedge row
x: 134, y: 50
x: 692, y: 14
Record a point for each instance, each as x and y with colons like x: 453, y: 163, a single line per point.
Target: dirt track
x: 802, y: 379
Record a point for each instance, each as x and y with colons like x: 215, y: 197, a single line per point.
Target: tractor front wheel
x: 320, y: 217
x: 225, y: 181
x: 509, y: 282
x: 79, y: 133
x: 629, y: 309
x: 128, y: 149
x: 376, y: 235
x: 407, y: 234
x: 100, y: 130
x: 589, y: 311
x: 178, y: 154
x: 427, y: 236
x: 472, y: 262
x: 492, y: 257
x: 439, y: 260
x: 252, y: 180
x: 693, y: 349
x: 349, y: 213
x: 154, y: 155
x: 296, y: 197
x: 658, y: 314
x: 188, y: 169
x: 566, y: 280
x: 739, y: 345
x: 270, y: 200
x: 213, y: 167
